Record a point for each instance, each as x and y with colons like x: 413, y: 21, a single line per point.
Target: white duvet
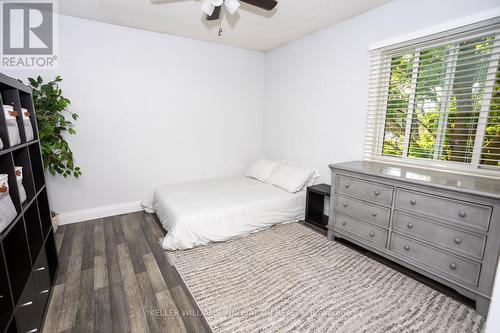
x: 220, y: 209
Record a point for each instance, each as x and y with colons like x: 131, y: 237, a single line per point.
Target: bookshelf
x: 28, y: 256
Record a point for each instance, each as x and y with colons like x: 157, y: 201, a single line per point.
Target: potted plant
x: 54, y: 122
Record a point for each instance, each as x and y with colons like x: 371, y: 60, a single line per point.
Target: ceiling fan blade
x: 215, y: 15
x: 264, y: 4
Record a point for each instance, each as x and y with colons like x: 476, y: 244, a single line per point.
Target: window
x: 437, y: 100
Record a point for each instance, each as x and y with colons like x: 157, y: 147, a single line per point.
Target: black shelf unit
x: 28, y: 256
x: 315, y: 203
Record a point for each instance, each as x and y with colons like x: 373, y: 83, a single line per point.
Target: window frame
x: 474, y: 167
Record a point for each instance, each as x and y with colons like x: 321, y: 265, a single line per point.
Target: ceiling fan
x: 213, y: 7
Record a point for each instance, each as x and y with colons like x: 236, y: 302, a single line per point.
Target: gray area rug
x: 289, y: 278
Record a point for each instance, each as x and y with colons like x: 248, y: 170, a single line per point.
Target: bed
x: 216, y: 210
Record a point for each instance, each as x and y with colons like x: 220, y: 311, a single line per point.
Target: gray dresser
x: 445, y: 226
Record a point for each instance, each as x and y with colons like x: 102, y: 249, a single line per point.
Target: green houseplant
x: 52, y: 117
x: 54, y: 122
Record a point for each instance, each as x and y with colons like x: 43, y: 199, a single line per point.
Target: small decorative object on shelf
x: 315, y: 204
x: 20, y: 187
x: 28, y: 128
x: 28, y: 256
x: 12, y: 127
x: 7, y: 210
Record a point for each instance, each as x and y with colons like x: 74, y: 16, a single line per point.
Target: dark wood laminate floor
x: 114, y: 277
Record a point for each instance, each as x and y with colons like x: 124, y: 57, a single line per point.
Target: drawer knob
x: 413, y: 202
x: 374, y: 214
x: 453, y: 266
x: 406, y: 247
x: 409, y: 225
x: 372, y: 234
x: 343, y: 222
x: 347, y: 185
x: 458, y: 240
x: 462, y: 214
x: 344, y: 204
x: 377, y: 193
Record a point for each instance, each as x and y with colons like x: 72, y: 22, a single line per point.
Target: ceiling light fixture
x: 208, y: 6
x: 213, y: 7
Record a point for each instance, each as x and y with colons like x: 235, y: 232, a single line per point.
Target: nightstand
x: 315, y: 203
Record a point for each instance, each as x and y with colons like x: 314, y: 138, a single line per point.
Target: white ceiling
x: 249, y: 27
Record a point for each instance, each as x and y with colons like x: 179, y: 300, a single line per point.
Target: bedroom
x: 172, y: 111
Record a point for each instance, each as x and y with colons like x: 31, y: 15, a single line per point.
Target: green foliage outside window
x: 397, y: 104
x: 491, y: 143
x: 429, y: 99
x: 444, y: 89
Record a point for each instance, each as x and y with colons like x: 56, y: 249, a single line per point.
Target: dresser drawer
x: 374, y: 192
x: 444, y: 263
x: 362, y: 210
x: 368, y: 232
x: 457, y: 212
x: 448, y: 237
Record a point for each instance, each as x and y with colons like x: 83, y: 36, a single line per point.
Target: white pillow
x: 312, y: 179
x: 262, y: 169
x: 291, y: 178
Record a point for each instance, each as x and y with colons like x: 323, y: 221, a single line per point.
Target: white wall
x: 316, y: 87
x: 493, y: 322
x: 154, y: 109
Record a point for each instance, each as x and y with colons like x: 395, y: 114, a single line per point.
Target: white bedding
x: 220, y: 209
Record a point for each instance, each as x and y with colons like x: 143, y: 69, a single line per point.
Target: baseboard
x: 98, y: 212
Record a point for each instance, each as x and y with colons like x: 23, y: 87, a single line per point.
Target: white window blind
x: 436, y: 100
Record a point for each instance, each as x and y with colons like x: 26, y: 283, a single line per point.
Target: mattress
x: 221, y: 209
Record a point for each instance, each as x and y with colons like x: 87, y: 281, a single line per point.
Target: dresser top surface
x: 489, y: 187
